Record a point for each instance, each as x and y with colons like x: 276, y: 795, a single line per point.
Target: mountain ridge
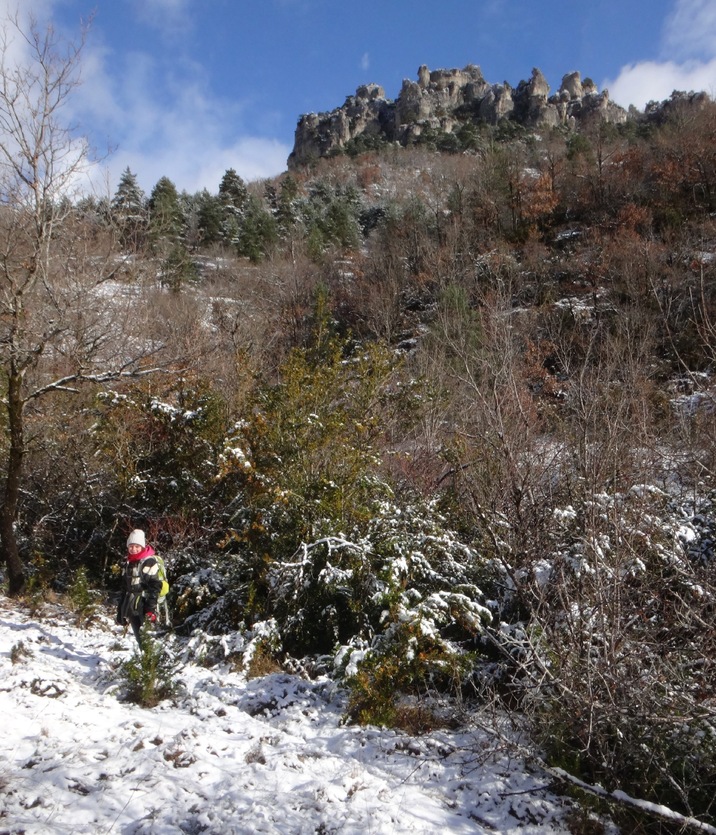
x: 447, y: 100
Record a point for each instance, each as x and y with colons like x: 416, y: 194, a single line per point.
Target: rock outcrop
x: 443, y: 100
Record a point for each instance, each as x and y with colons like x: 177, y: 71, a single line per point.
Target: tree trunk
x: 8, y: 508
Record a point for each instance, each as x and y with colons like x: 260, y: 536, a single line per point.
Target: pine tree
x: 287, y: 213
x: 128, y: 211
x: 167, y: 234
x: 166, y: 220
x: 232, y: 190
x: 233, y: 196
x: 258, y: 231
x: 209, y: 217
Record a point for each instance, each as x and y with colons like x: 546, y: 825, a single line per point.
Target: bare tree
x: 55, y: 326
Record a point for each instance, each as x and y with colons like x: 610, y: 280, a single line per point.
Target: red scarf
x: 147, y: 552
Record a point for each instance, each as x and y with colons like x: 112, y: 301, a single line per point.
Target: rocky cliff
x: 443, y: 100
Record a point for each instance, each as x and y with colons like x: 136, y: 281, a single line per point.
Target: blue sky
x: 189, y: 88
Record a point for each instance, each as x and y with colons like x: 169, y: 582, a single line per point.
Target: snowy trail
x: 234, y: 757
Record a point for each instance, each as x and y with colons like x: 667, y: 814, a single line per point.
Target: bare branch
x: 104, y: 377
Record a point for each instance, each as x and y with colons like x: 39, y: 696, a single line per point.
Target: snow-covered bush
x: 404, y: 564
x: 323, y: 596
x: 614, y: 661
x: 423, y: 620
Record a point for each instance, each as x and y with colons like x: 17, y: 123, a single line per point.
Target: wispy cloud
x: 156, y: 121
x: 166, y: 15
x: 690, y: 30
x: 365, y: 61
x: 25, y: 8
x: 38, y: 10
x: 688, y: 62
x: 177, y: 130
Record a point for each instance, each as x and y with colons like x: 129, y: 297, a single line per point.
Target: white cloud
x: 162, y: 125
x: 365, y: 62
x: 164, y: 6
x: 690, y: 30
x: 639, y: 84
x: 164, y: 14
x: 156, y: 121
x: 17, y: 50
x: 25, y: 8
x: 689, y: 59
x: 199, y: 164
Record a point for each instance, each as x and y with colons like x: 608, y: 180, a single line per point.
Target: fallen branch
x: 621, y: 798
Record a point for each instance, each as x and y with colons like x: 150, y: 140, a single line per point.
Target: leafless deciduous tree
x: 55, y: 327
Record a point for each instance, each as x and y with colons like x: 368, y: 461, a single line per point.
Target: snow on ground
x: 231, y: 756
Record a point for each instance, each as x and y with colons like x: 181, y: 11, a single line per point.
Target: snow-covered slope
x: 231, y: 756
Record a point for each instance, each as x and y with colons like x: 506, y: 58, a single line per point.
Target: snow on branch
x: 63, y: 384
x: 655, y: 810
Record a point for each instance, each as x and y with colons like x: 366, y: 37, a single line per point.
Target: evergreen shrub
x: 149, y: 675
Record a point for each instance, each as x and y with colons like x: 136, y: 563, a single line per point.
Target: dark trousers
x: 136, y: 623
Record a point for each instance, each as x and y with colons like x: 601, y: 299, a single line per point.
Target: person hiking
x: 142, y: 585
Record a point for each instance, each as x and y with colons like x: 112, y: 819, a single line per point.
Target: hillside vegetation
x: 437, y: 423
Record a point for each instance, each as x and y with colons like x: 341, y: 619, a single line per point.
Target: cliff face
x: 445, y: 99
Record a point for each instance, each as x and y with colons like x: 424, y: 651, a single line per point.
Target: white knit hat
x: 137, y: 538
